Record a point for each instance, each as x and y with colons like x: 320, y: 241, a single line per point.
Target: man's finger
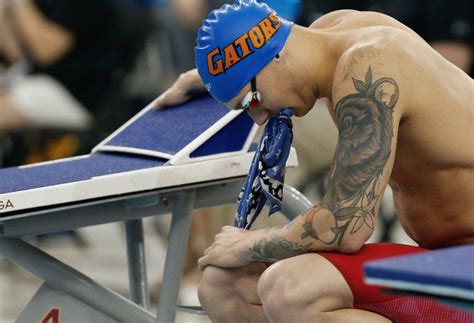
x: 208, y: 249
x: 219, y: 236
x: 202, y: 263
x: 160, y: 102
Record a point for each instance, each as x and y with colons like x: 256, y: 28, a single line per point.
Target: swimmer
x: 405, y: 117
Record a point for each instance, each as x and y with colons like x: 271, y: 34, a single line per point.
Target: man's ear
x: 282, y: 56
x: 385, y: 91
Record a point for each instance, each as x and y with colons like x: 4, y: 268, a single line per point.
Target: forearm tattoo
x: 277, y: 248
x: 365, y: 133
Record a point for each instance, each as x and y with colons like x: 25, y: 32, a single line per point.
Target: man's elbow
x: 352, y: 243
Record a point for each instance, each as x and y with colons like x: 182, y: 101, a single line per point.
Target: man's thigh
x: 398, y: 308
x: 351, y: 268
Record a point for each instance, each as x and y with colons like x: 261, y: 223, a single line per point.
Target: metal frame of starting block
x: 131, y: 209
x: 127, y: 196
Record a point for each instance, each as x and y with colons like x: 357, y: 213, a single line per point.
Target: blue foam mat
x: 16, y: 179
x: 170, y: 129
x: 449, y: 267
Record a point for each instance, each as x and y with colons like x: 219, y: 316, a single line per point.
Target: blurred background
x: 72, y: 71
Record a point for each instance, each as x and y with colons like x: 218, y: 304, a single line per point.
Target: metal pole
x: 72, y: 282
x: 137, y: 275
x: 175, y: 255
x: 294, y: 202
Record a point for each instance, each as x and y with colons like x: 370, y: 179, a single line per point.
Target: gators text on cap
x: 235, y: 42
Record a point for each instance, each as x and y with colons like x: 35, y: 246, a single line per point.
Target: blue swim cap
x: 235, y: 42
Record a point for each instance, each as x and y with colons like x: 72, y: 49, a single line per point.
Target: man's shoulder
x: 330, y: 19
x: 363, y: 66
x: 355, y: 60
x: 348, y: 19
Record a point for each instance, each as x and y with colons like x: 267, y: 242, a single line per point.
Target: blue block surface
x: 16, y: 179
x: 229, y: 139
x: 450, y: 267
x: 171, y: 129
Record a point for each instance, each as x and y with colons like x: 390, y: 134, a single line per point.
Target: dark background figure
x: 87, y: 69
x: 446, y: 25
x: 77, y: 54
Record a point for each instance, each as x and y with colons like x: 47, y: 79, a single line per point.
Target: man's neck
x: 312, y: 61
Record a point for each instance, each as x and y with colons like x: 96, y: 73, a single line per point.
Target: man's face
x: 277, y: 93
x: 259, y: 112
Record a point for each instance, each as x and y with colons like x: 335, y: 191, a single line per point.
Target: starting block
x: 173, y: 160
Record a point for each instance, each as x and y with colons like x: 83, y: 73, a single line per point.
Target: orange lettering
x: 217, y: 67
x: 275, y: 19
x: 267, y: 28
x: 231, y: 56
x: 242, y: 43
x: 256, y: 37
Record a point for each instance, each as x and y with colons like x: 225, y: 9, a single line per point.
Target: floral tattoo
x: 365, y: 125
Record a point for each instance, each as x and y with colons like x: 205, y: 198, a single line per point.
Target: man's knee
x: 217, y: 295
x: 286, y: 285
x: 274, y: 288
x: 214, y: 281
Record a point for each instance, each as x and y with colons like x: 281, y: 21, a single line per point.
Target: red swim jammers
x: 398, y: 308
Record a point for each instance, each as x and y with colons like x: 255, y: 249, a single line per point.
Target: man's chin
x: 300, y: 112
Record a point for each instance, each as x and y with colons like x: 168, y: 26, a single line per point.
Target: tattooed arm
x: 346, y: 216
x: 344, y: 220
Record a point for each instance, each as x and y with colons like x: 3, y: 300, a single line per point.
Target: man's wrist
x: 252, y: 239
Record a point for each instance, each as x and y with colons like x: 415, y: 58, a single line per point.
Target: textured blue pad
x: 450, y: 267
x: 171, y: 129
x: 19, y: 179
x: 229, y: 139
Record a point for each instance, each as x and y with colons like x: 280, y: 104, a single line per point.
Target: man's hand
x: 230, y: 249
x: 182, y: 90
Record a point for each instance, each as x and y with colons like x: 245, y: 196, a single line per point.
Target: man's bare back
x: 433, y: 170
